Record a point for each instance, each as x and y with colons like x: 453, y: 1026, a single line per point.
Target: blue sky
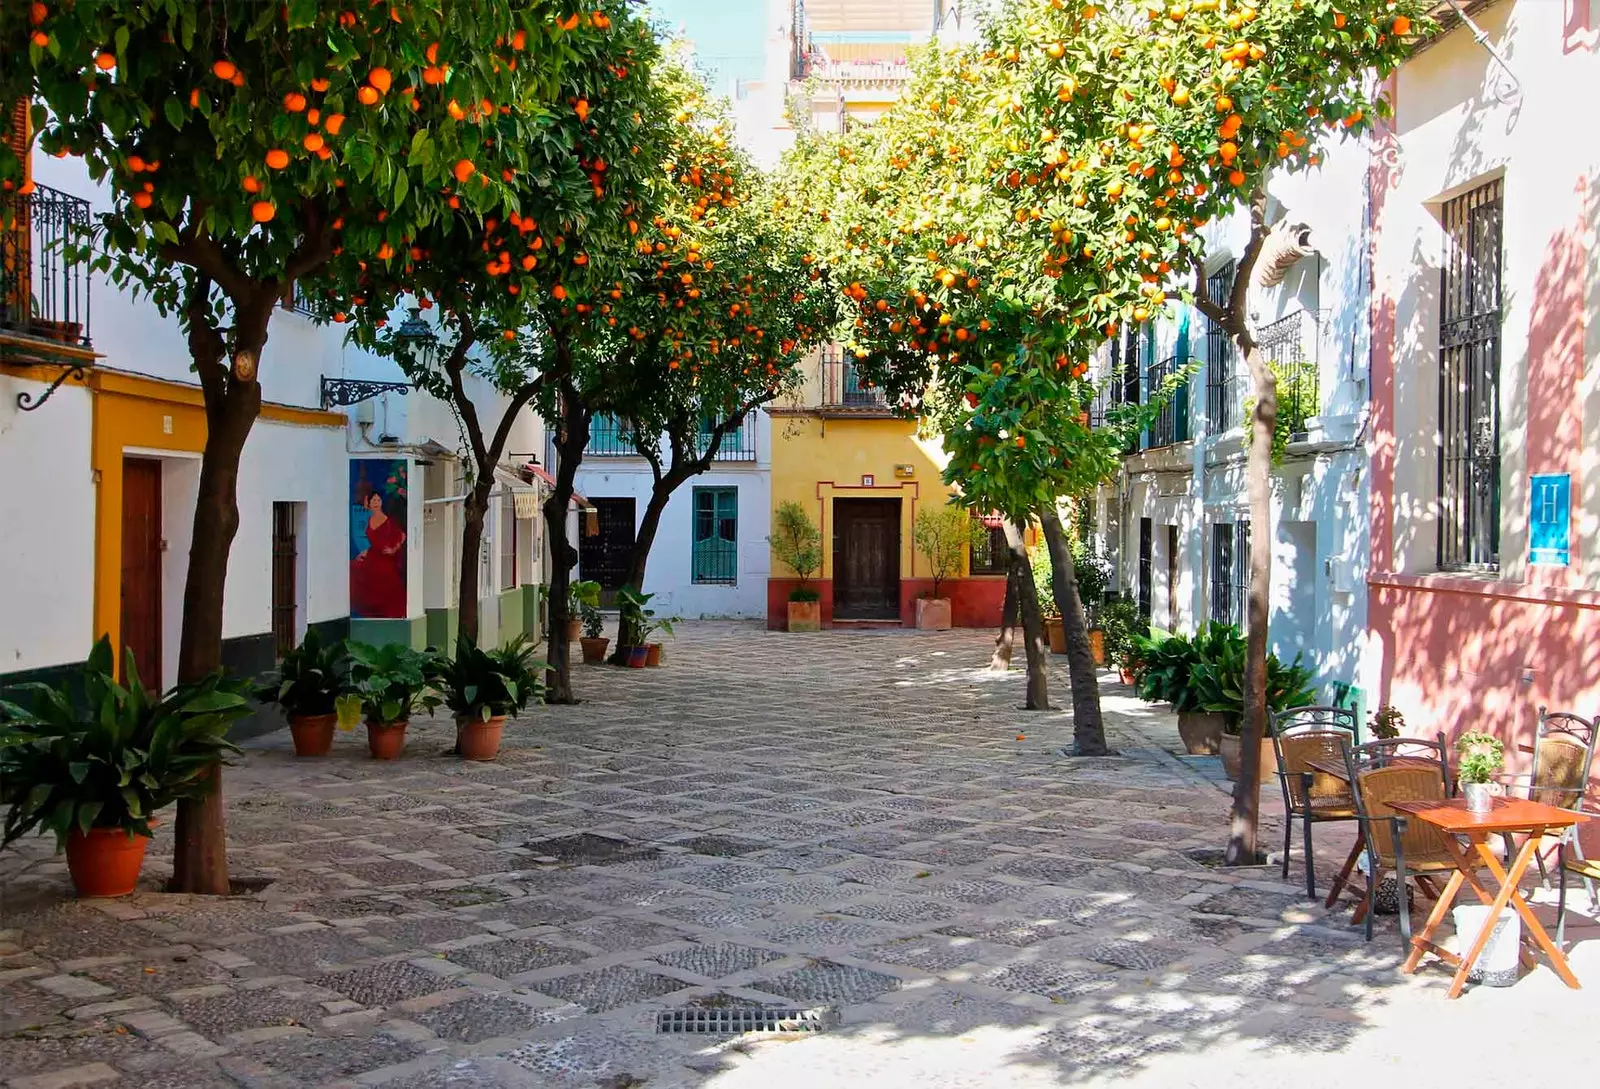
x: 728, y: 35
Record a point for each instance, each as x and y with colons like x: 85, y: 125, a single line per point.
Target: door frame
x: 895, y: 575
x: 150, y: 663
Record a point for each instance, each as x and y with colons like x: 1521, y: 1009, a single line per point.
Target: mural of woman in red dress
x: 378, y: 539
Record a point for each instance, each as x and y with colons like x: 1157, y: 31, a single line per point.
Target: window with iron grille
x: 715, y: 554
x: 285, y: 592
x: 990, y: 554
x: 1230, y: 571
x: 1469, y: 382
x: 738, y: 443
x: 609, y: 438
x: 1222, y: 388
x: 1283, y: 345
x: 1146, y: 567
x: 508, y: 542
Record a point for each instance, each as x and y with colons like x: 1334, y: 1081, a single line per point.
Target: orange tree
x: 1186, y: 110
x: 961, y: 306
x: 498, y: 282
x: 245, y: 144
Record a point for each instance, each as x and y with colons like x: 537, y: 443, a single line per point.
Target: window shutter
x: 17, y: 132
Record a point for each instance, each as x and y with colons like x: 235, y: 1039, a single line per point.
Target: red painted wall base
x: 974, y: 602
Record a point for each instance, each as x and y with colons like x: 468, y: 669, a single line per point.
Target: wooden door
x: 141, y: 566
x: 285, y: 594
x: 604, y: 556
x: 866, y: 559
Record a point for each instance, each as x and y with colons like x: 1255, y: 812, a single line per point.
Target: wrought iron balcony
x: 44, y: 266
x: 738, y: 445
x: 844, y: 387
x: 609, y: 437
x: 1172, y: 422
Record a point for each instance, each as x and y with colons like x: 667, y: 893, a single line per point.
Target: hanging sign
x: 1549, y: 519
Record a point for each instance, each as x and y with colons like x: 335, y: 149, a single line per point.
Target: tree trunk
x: 1000, y: 662
x: 474, y: 509
x: 628, y: 635
x: 1242, y: 837
x: 200, y: 855
x: 571, y: 439
x: 1088, y: 730
x: 1033, y: 637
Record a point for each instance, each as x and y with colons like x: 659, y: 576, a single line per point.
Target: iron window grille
x: 44, y: 265
x: 609, y: 437
x: 714, y: 557
x: 1146, y: 568
x: 1469, y: 381
x: 1283, y: 346
x: 738, y: 444
x: 990, y: 554
x: 508, y: 542
x: 1222, y: 377
x: 285, y: 558
x: 1171, y: 422
x: 843, y: 385
x: 1126, y: 373
x: 1230, y: 572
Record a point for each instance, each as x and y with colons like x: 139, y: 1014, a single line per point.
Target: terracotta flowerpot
x: 594, y: 650
x: 106, y: 862
x: 1125, y: 675
x: 1097, y: 646
x: 1232, y: 750
x: 480, y: 738
x: 652, y: 654
x: 1056, y: 632
x: 638, y: 657
x: 574, y: 630
x: 805, y: 616
x: 313, y: 734
x: 1201, y: 731
x: 933, y: 614
x: 386, y: 739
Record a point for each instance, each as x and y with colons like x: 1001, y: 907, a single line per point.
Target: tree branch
x: 454, y: 365
x: 1202, y: 301
x: 1239, y: 296
x: 196, y: 249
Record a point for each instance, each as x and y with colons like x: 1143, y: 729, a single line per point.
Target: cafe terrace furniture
x: 1301, y: 735
x: 1514, y: 816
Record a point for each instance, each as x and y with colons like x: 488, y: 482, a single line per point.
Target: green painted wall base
x: 413, y: 632
x: 510, y: 613
x: 531, y: 596
x: 443, y: 624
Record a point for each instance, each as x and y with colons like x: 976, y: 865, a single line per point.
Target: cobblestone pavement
x: 861, y: 824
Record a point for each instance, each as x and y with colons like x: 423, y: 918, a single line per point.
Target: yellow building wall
x: 816, y: 460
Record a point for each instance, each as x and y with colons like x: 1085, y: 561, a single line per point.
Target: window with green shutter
x: 715, y: 556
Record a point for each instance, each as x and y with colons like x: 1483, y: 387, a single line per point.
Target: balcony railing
x: 44, y: 266
x: 609, y: 437
x: 1171, y: 424
x: 1283, y: 344
x: 843, y: 387
x: 737, y: 445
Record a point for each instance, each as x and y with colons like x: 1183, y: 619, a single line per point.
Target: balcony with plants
x: 45, y: 237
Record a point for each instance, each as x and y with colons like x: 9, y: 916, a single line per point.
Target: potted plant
x: 944, y: 535
x: 1167, y: 672
x: 1120, y: 624
x: 594, y: 644
x: 1481, y: 756
x: 1219, y: 682
x: 307, y: 686
x: 1044, y: 590
x: 390, y: 684
x: 1093, y: 574
x: 585, y: 592
x: 1387, y: 723
x: 95, y: 772
x: 482, y: 687
x: 797, y: 542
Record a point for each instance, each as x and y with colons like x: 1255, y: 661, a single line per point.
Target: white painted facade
x: 1194, y: 490
x: 669, y: 573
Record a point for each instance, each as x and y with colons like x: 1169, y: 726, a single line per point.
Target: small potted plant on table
x: 482, y: 687
x: 593, y: 642
x: 1481, y: 757
x: 944, y: 535
x: 797, y: 542
x: 390, y: 684
x: 96, y: 774
x: 307, y: 687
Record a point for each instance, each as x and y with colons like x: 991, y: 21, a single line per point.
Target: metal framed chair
x: 1563, y: 754
x: 1587, y: 870
x: 1383, y: 753
x: 1299, y: 736
x: 1409, y: 849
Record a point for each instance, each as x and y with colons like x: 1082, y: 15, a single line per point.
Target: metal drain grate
x: 735, y: 1021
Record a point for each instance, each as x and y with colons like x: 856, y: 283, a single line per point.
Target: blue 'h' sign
x: 1549, y: 521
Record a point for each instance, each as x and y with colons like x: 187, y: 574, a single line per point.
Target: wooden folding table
x: 1508, y: 815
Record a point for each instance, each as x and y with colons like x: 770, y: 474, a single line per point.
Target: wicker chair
x: 1563, y: 753
x: 1382, y: 753
x: 1299, y: 736
x: 1395, y: 844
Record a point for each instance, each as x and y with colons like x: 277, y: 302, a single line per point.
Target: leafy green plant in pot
x: 1120, y: 625
x: 390, y: 683
x: 307, y: 687
x: 1093, y: 574
x: 582, y: 594
x: 482, y: 687
x: 1168, y: 670
x: 1043, y: 572
x: 96, y: 772
x: 1219, y: 683
x: 943, y: 535
x: 1480, y: 757
x: 594, y: 642
x: 797, y: 542
x: 637, y: 616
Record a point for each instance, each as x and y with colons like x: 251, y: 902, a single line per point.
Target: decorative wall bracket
x: 350, y: 391
x: 27, y: 402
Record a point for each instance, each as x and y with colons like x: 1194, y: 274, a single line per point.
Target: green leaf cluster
x: 797, y: 542
x: 310, y: 679
x: 114, y: 757
x: 1479, y: 757
x: 479, y: 684
x: 393, y: 681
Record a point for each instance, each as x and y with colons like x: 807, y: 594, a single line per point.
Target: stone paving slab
x: 841, y: 820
